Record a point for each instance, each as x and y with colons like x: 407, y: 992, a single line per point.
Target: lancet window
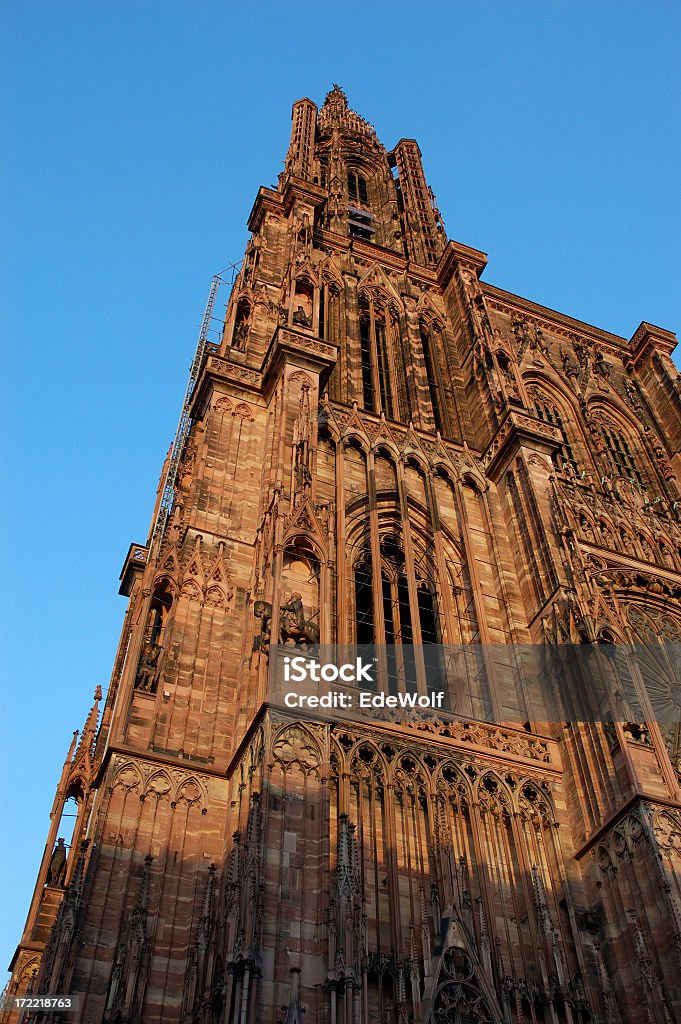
x: 564, y: 457
x: 148, y: 666
x: 161, y: 602
x: 375, y: 357
x: 329, y: 311
x: 429, y: 332
x: 620, y: 454
x: 360, y: 219
x: 402, y: 613
x: 357, y: 187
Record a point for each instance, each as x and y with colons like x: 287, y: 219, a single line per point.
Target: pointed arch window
x: 428, y: 332
x: 547, y: 412
x: 394, y: 599
x: 161, y: 602
x: 357, y: 187
x: 375, y: 360
x: 620, y: 454
x: 360, y: 218
x: 242, y: 324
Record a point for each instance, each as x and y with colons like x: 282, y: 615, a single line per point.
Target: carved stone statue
x: 301, y: 318
x: 146, y: 671
x: 56, y: 873
x: 601, y: 366
x: 240, y: 335
x: 263, y: 611
x: 570, y: 369
x: 294, y: 628
x: 292, y: 613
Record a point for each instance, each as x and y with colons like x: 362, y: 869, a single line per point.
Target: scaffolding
x: 183, y: 427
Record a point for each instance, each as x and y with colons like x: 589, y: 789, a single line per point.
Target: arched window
x: 398, y: 625
x: 619, y: 453
x: 242, y: 324
x: 57, y: 870
x: 360, y: 219
x: 375, y: 359
x: 428, y: 332
x: 303, y: 303
x: 564, y: 457
x: 161, y: 602
x: 149, y: 663
x: 357, y: 187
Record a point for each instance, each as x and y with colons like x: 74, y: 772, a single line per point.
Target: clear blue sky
x: 139, y: 133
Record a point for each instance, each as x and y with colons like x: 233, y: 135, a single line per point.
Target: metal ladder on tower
x: 167, y: 495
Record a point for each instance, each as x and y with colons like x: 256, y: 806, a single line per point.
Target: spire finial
x: 337, y: 97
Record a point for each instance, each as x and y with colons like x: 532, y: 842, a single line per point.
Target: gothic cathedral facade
x: 381, y: 448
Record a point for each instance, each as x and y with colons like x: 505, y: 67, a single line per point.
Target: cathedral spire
x: 336, y: 100
x: 381, y: 452
x: 337, y: 113
x: 87, y: 738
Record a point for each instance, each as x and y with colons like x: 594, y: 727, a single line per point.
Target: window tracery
x: 375, y: 355
x: 357, y: 187
x: 388, y: 618
x: 548, y: 412
x: 619, y: 451
x: 429, y: 331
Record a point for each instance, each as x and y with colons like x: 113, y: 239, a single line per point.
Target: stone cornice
x: 301, y: 347
x: 558, y: 323
x: 188, y: 764
x: 297, y: 188
x: 219, y: 368
x: 456, y: 254
x: 648, y: 339
x: 266, y: 200
x: 637, y: 798
x: 518, y: 429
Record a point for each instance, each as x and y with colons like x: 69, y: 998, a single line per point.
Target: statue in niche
x: 56, y: 872
x: 240, y: 335
x: 294, y: 628
x: 633, y: 396
x: 540, y: 341
x: 242, y: 325
x: 146, y: 672
x: 520, y: 328
x: 301, y: 318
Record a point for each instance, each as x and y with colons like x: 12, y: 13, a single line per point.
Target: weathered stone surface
x: 383, y: 446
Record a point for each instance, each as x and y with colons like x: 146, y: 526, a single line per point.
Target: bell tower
x: 381, y: 448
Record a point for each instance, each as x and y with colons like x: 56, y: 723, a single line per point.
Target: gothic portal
x: 380, y: 448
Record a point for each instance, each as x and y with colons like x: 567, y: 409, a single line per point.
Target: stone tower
x: 383, y: 448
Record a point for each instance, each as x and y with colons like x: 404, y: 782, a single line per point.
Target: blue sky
x: 139, y: 134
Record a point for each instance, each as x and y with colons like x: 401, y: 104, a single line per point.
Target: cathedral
x: 380, y: 448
